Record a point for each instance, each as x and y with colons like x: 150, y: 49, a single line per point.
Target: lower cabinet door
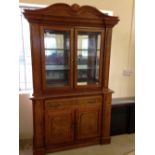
x: 59, y: 126
x: 87, y: 123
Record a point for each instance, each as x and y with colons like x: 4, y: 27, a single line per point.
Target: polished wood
x: 74, y: 15
x: 39, y: 151
x: 88, y: 122
x: 92, y: 86
x: 59, y: 126
x: 35, y: 55
x: 76, y: 144
x: 38, y: 123
x: 47, y: 90
x: 106, y: 112
x: 107, y: 48
x: 73, y: 115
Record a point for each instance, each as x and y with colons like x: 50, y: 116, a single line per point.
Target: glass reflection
x: 88, y: 53
x: 57, y: 50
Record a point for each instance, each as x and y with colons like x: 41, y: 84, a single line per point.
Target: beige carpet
x: 131, y: 153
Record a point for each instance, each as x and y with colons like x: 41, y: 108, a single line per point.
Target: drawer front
x: 59, y: 103
x: 89, y: 100
x: 73, y: 102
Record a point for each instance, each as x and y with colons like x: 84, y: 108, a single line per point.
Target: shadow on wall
x: 25, y: 117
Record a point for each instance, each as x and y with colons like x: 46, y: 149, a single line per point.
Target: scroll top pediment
x: 72, y: 12
x: 61, y: 9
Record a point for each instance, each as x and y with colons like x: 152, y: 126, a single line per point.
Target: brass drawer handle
x: 92, y: 101
x: 54, y: 105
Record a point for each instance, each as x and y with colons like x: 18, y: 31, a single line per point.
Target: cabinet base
x: 40, y: 151
x: 105, y: 140
x: 50, y: 149
x: 70, y: 146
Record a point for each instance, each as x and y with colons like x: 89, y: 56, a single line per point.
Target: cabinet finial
x: 75, y: 7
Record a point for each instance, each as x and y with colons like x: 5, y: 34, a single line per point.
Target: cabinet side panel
x: 35, y: 54
x: 38, y: 124
x: 106, y: 116
x: 107, y: 51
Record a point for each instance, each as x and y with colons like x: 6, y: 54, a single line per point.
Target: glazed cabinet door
x: 56, y: 51
x: 87, y: 123
x: 89, y: 53
x: 59, y: 126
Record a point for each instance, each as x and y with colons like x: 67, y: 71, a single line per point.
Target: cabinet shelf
x: 56, y: 49
x: 88, y: 49
x: 86, y: 67
x: 57, y: 67
x: 57, y: 83
x: 62, y: 67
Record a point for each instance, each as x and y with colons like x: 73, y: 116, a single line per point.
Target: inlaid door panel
x: 59, y: 126
x: 87, y: 123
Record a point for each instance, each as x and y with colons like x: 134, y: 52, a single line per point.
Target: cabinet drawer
x: 89, y: 100
x: 73, y: 102
x: 59, y: 103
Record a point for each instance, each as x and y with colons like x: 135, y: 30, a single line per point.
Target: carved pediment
x: 65, y: 11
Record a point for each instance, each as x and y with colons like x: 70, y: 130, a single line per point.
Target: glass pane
x: 57, y: 51
x: 88, y: 53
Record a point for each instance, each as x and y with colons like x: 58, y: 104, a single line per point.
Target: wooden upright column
x: 38, y: 127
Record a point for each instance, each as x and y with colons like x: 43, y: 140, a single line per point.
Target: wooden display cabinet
x: 70, y: 48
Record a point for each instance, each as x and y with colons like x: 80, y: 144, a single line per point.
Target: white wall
x: 25, y: 116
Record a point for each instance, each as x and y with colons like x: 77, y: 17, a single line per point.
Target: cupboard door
x: 59, y: 126
x: 87, y: 123
x: 88, y: 57
x: 56, y: 57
